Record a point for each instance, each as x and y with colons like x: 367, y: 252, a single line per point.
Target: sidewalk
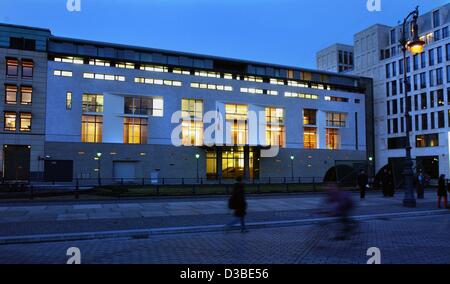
x: 88, y: 217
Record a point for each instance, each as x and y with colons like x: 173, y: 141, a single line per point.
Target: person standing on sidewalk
x: 363, y: 181
x: 238, y: 203
x: 420, y: 185
x: 442, y: 191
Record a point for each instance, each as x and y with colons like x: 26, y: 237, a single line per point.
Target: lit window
x: 135, y: 130
x: 125, y: 65
x: 297, y: 84
x: 192, y: 133
x: 151, y: 81
x: 62, y: 73
x: 310, y: 138
x: 12, y: 67
x: 69, y: 100
x: 335, y: 119
x: 154, y: 68
x: 92, y: 103
x: 69, y: 59
x: 181, y: 71
x: 25, y: 122
x: 99, y: 62
x: 309, y: 117
x: 10, y: 94
x: 27, y: 68
x: 276, y: 81
x: 275, y: 130
x: 253, y: 79
x: 236, y: 115
x: 301, y: 95
x: 192, y: 109
x: 26, y: 94
x: 332, y: 138
x: 91, y: 128
x: 212, y: 87
x: 228, y: 76
x: 207, y: 74
x: 10, y: 121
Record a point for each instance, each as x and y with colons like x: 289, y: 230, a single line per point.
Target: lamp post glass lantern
x: 98, y: 158
x: 292, y: 167
x: 197, y: 157
x: 415, y: 45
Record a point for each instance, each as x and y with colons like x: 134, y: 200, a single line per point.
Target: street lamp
x: 197, y: 157
x: 98, y: 157
x: 414, y: 46
x: 292, y: 167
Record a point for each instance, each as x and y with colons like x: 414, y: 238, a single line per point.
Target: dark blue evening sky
x: 276, y: 31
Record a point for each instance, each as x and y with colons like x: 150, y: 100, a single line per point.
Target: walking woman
x: 238, y: 203
x: 442, y: 192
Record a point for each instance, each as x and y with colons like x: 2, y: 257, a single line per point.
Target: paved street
x: 403, y: 240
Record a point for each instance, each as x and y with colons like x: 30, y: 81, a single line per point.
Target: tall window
x: 275, y: 131
x: 309, y: 117
x: 431, y: 57
x: 310, y: 137
x: 192, y: 125
x: 335, y: 119
x: 26, y: 94
x: 69, y: 100
x: 25, y: 121
x: 436, y: 19
x: 91, y: 128
x: 439, y: 54
x: 152, y: 106
x: 10, y: 94
x: 236, y: 116
x: 27, y: 68
x: 332, y: 138
x: 10, y: 121
x: 92, y: 103
x: 12, y: 67
x: 135, y: 130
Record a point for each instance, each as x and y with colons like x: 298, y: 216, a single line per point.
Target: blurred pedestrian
x: 420, y: 185
x: 340, y: 205
x: 442, y: 191
x: 363, y: 182
x: 238, y: 203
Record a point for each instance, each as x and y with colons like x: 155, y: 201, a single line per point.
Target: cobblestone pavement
x: 401, y: 240
x: 51, y: 218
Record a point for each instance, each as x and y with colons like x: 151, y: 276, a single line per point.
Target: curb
x: 146, y: 233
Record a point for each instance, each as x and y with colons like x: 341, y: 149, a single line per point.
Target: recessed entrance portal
x: 231, y: 162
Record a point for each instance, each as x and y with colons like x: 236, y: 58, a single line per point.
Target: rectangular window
x: 69, y: 100
x: 10, y: 121
x: 423, y: 101
x: 394, y: 107
x: 431, y: 99
x: 401, y: 66
x: 439, y: 54
x: 212, y: 87
x: 99, y: 62
x: 135, y: 130
x: 10, y: 94
x: 441, y: 119
x: 388, y: 71
x: 62, y: 73
x: 310, y: 137
x: 91, y: 128
x: 423, y: 60
x: 448, y: 74
x: 92, y: 103
x: 416, y: 86
x: 192, y: 125
x: 395, y: 125
x: 12, y: 67
x: 236, y: 116
x: 394, y: 88
x: 416, y: 62
x: 429, y: 140
x: 26, y: 94
x: 25, y: 122
x: 431, y: 57
x: 154, y: 68
x: 275, y: 131
x: 27, y: 68
x: 447, y: 51
x: 440, y: 98
x: 423, y: 80
x: 436, y: 19
x: 153, y: 106
x: 332, y: 139
x: 445, y: 32
x: 432, y: 79
x: 439, y: 77
x: 309, y: 117
x: 424, y: 122
x: 335, y: 119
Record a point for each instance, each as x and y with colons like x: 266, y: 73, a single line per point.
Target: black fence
x: 123, y: 187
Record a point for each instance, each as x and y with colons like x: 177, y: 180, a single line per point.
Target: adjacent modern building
x: 81, y: 109
x: 336, y: 58
x: 378, y: 55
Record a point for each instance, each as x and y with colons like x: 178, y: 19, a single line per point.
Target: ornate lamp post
x: 197, y: 157
x: 415, y: 46
x: 98, y: 157
x: 292, y: 167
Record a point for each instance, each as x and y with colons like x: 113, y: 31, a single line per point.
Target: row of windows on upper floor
x: 136, y: 128
x: 422, y: 122
x: 423, y: 101
x: 422, y: 141
x: 435, y: 56
x: 429, y: 38
x: 209, y: 74
x: 420, y: 82
x: 206, y: 86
